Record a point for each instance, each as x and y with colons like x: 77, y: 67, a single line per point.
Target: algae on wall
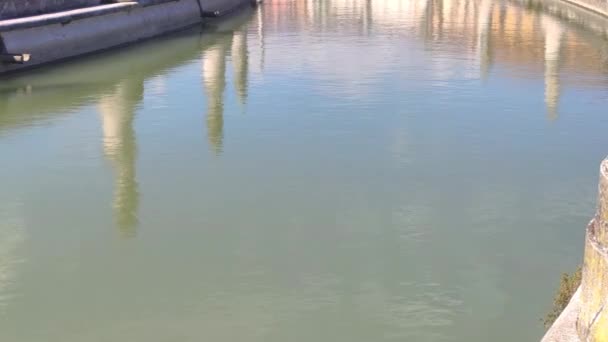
x: 568, y: 285
x: 585, y: 317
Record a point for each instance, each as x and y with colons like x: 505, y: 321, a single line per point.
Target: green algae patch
x: 567, y: 286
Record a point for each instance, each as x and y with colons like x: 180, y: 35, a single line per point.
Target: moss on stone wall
x: 567, y: 286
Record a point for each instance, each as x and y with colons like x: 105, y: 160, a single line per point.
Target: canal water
x: 325, y: 170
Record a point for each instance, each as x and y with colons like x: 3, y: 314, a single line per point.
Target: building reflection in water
x: 503, y: 32
x: 489, y: 32
x: 515, y: 29
x: 521, y: 36
x: 119, y: 147
x: 214, y: 81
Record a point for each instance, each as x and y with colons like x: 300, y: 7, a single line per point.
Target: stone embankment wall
x: 21, y: 8
x: 592, y: 324
x: 586, y: 317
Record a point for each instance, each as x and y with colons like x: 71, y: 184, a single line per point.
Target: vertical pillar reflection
x: 214, y: 82
x: 368, y: 17
x: 553, y: 40
x: 484, y: 23
x: 119, y: 146
x: 240, y: 62
x: 426, y: 20
x: 261, y: 40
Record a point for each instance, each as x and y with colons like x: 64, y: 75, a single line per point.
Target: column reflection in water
x: 554, y: 33
x: 368, y: 17
x: 484, y: 23
x: 261, y: 40
x: 214, y: 81
x: 120, y: 149
x: 240, y: 64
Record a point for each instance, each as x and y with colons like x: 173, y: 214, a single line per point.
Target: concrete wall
x: 586, y: 316
x: 20, y: 8
x: 592, y: 322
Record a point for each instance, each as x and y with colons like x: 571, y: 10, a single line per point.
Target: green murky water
x: 408, y: 170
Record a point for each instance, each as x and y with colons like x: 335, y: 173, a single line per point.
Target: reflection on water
x: 240, y: 64
x: 483, y: 29
x: 484, y: 32
x: 553, y: 37
x: 117, y: 115
x: 120, y: 99
x: 326, y: 212
x: 214, y: 80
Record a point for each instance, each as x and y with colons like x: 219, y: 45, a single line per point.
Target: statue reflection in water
x: 119, y: 147
x: 214, y: 81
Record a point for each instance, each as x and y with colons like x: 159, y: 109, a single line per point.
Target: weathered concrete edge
x: 564, y: 327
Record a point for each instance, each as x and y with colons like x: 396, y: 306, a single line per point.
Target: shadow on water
x: 115, y: 83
